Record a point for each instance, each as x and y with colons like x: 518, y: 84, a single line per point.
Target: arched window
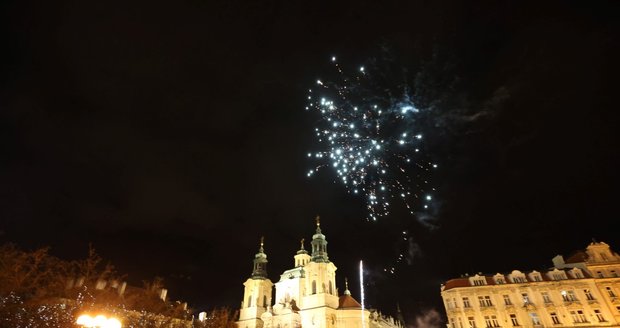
x: 250, y: 301
x: 264, y: 300
x: 313, y: 287
x: 331, y: 291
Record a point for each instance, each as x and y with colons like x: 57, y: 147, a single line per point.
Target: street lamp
x: 99, y: 321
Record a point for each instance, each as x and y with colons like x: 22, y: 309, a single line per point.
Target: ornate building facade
x: 580, y: 291
x: 305, y: 296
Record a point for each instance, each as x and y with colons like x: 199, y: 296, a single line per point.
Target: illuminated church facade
x: 305, y: 296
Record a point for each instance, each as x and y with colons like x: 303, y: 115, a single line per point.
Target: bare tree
x: 219, y: 318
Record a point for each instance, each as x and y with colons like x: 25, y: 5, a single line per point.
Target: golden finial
x: 346, y: 283
x: 318, y: 221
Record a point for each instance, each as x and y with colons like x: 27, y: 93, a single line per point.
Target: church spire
x: 319, y: 244
x: 302, y: 250
x: 346, y: 287
x: 260, y: 262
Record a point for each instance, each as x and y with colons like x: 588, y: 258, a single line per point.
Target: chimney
x: 558, y: 261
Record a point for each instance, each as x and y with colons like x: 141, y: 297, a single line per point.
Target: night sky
x: 172, y: 135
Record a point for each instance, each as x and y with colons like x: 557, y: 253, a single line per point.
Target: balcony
x: 529, y: 305
x: 569, y: 301
x: 453, y: 309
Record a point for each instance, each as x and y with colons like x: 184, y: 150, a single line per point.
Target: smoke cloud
x: 428, y: 319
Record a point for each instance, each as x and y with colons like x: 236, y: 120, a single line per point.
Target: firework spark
x: 371, y: 136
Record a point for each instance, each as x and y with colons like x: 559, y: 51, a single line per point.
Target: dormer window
x: 478, y: 280
x: 499, y: 279
x: 557, y: 275
x: 535, y: 276
x: 517, y: 277
x: 576, y: 273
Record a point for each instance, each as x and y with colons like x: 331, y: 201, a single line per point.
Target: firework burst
x: 371, y: 136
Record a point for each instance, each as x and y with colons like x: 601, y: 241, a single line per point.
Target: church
x: 306, y: 295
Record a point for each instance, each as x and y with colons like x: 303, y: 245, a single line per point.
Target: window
x: 571, y: 295
x: 452, y: 325
x: 479, y: 282
x: 466, y: 302
x: 331, y: 291
x: 613, y: 273
x: 535, y: 276
x: 618, y: 308
x: 518, y: 279
x: 264, y: 300
x: 507, y: 300
x: 568, y: 296
x: 250, y: 301
x: 599, y: 274
x: 494, y: 321
x: 487, y: 321
x: 610, y: 291
x: 313, y: 287
x: 513, y: 319
x: 577, y: 274
x: 472, y: 322
x: 545, y: 297
x: 500, y: 281
x: 535, y: 319
x: 578, y: 316
x: 485, y: 301
x: 599, y: 316
x: 460, y: 322
x: 491, y: 321
x: 526, y: 298
x: 588, y: 293
x: 554, y: 318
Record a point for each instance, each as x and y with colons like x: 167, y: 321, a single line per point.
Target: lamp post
x: 99, y: 321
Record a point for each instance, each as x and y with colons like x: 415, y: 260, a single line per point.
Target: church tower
x: 320, y: 283
x: 257, y: 293
x: 302, y: 258
x: 319, y: 244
